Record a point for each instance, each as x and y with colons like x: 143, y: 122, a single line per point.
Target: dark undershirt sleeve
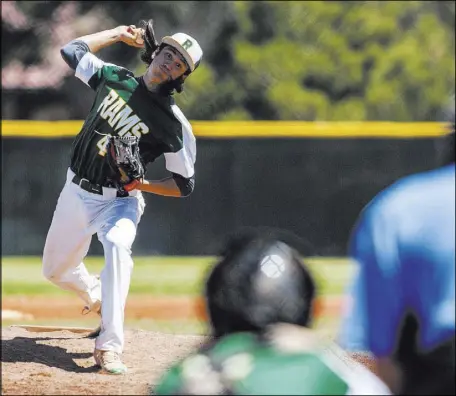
x: 73, y: 52
x: 186, y: 186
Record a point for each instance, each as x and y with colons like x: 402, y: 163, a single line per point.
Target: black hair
x: 425, y: 372
x: 153, y: 48
x: 258, y: 281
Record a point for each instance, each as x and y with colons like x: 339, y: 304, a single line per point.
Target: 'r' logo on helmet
x: 187, y: 44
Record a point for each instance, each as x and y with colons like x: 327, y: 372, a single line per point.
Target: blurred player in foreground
x: 403, y: 299
x: 259, y: 298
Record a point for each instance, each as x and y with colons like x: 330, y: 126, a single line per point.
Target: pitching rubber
x: 47, y: 329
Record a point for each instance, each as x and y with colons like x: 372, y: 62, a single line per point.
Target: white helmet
x: 187, y: 46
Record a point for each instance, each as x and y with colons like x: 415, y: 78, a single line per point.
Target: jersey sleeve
x: 170, y: 383
x: 375, y: 304
x: 182, y: 161
x: 90, y: 70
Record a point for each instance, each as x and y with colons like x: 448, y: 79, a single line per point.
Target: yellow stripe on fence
x: 249, y: 129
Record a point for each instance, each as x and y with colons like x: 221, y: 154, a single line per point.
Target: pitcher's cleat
x: 110, y: 362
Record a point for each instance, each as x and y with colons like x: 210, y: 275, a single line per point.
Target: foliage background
x: 263, y: 60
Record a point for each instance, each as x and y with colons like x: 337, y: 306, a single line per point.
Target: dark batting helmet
x: 259, y: 280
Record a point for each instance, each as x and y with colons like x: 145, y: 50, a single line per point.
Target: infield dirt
x: 61, y: 363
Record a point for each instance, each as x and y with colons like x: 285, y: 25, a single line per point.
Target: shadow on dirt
x: 30, y: 350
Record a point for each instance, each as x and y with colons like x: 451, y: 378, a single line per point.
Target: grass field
x: 158, y: 276
x: 181, y: 276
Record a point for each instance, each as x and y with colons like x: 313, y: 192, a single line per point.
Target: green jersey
x: 250, y: 364
x: 123, y: 106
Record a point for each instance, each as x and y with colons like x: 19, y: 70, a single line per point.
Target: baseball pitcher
x: 133, y: 120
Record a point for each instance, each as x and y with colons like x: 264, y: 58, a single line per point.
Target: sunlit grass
x: 158, y: 275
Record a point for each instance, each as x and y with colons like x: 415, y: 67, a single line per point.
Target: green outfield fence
x: 311, y: 178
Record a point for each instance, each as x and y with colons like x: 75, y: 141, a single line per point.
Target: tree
x: 353, y: 60
x: 269, y: 60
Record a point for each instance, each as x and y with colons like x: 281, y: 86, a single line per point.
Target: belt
x: 94, y: 188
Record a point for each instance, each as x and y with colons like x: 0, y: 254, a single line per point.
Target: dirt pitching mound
x: 61, y: 362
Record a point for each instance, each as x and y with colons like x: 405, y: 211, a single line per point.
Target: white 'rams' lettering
x: 109, y: 99
x: 130, y: 123
x: 140, y: 129
x: 112, y: 111
x: 120, y: 117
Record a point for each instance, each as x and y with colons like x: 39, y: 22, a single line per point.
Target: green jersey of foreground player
x: 93, y: 200
x: 259, y: 298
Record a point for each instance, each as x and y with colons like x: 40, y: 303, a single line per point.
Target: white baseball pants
x: 80, y: 214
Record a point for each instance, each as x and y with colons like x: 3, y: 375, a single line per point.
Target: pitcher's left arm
x: 180, y: 163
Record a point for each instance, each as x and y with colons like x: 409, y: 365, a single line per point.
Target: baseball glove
x: 125, y: 162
